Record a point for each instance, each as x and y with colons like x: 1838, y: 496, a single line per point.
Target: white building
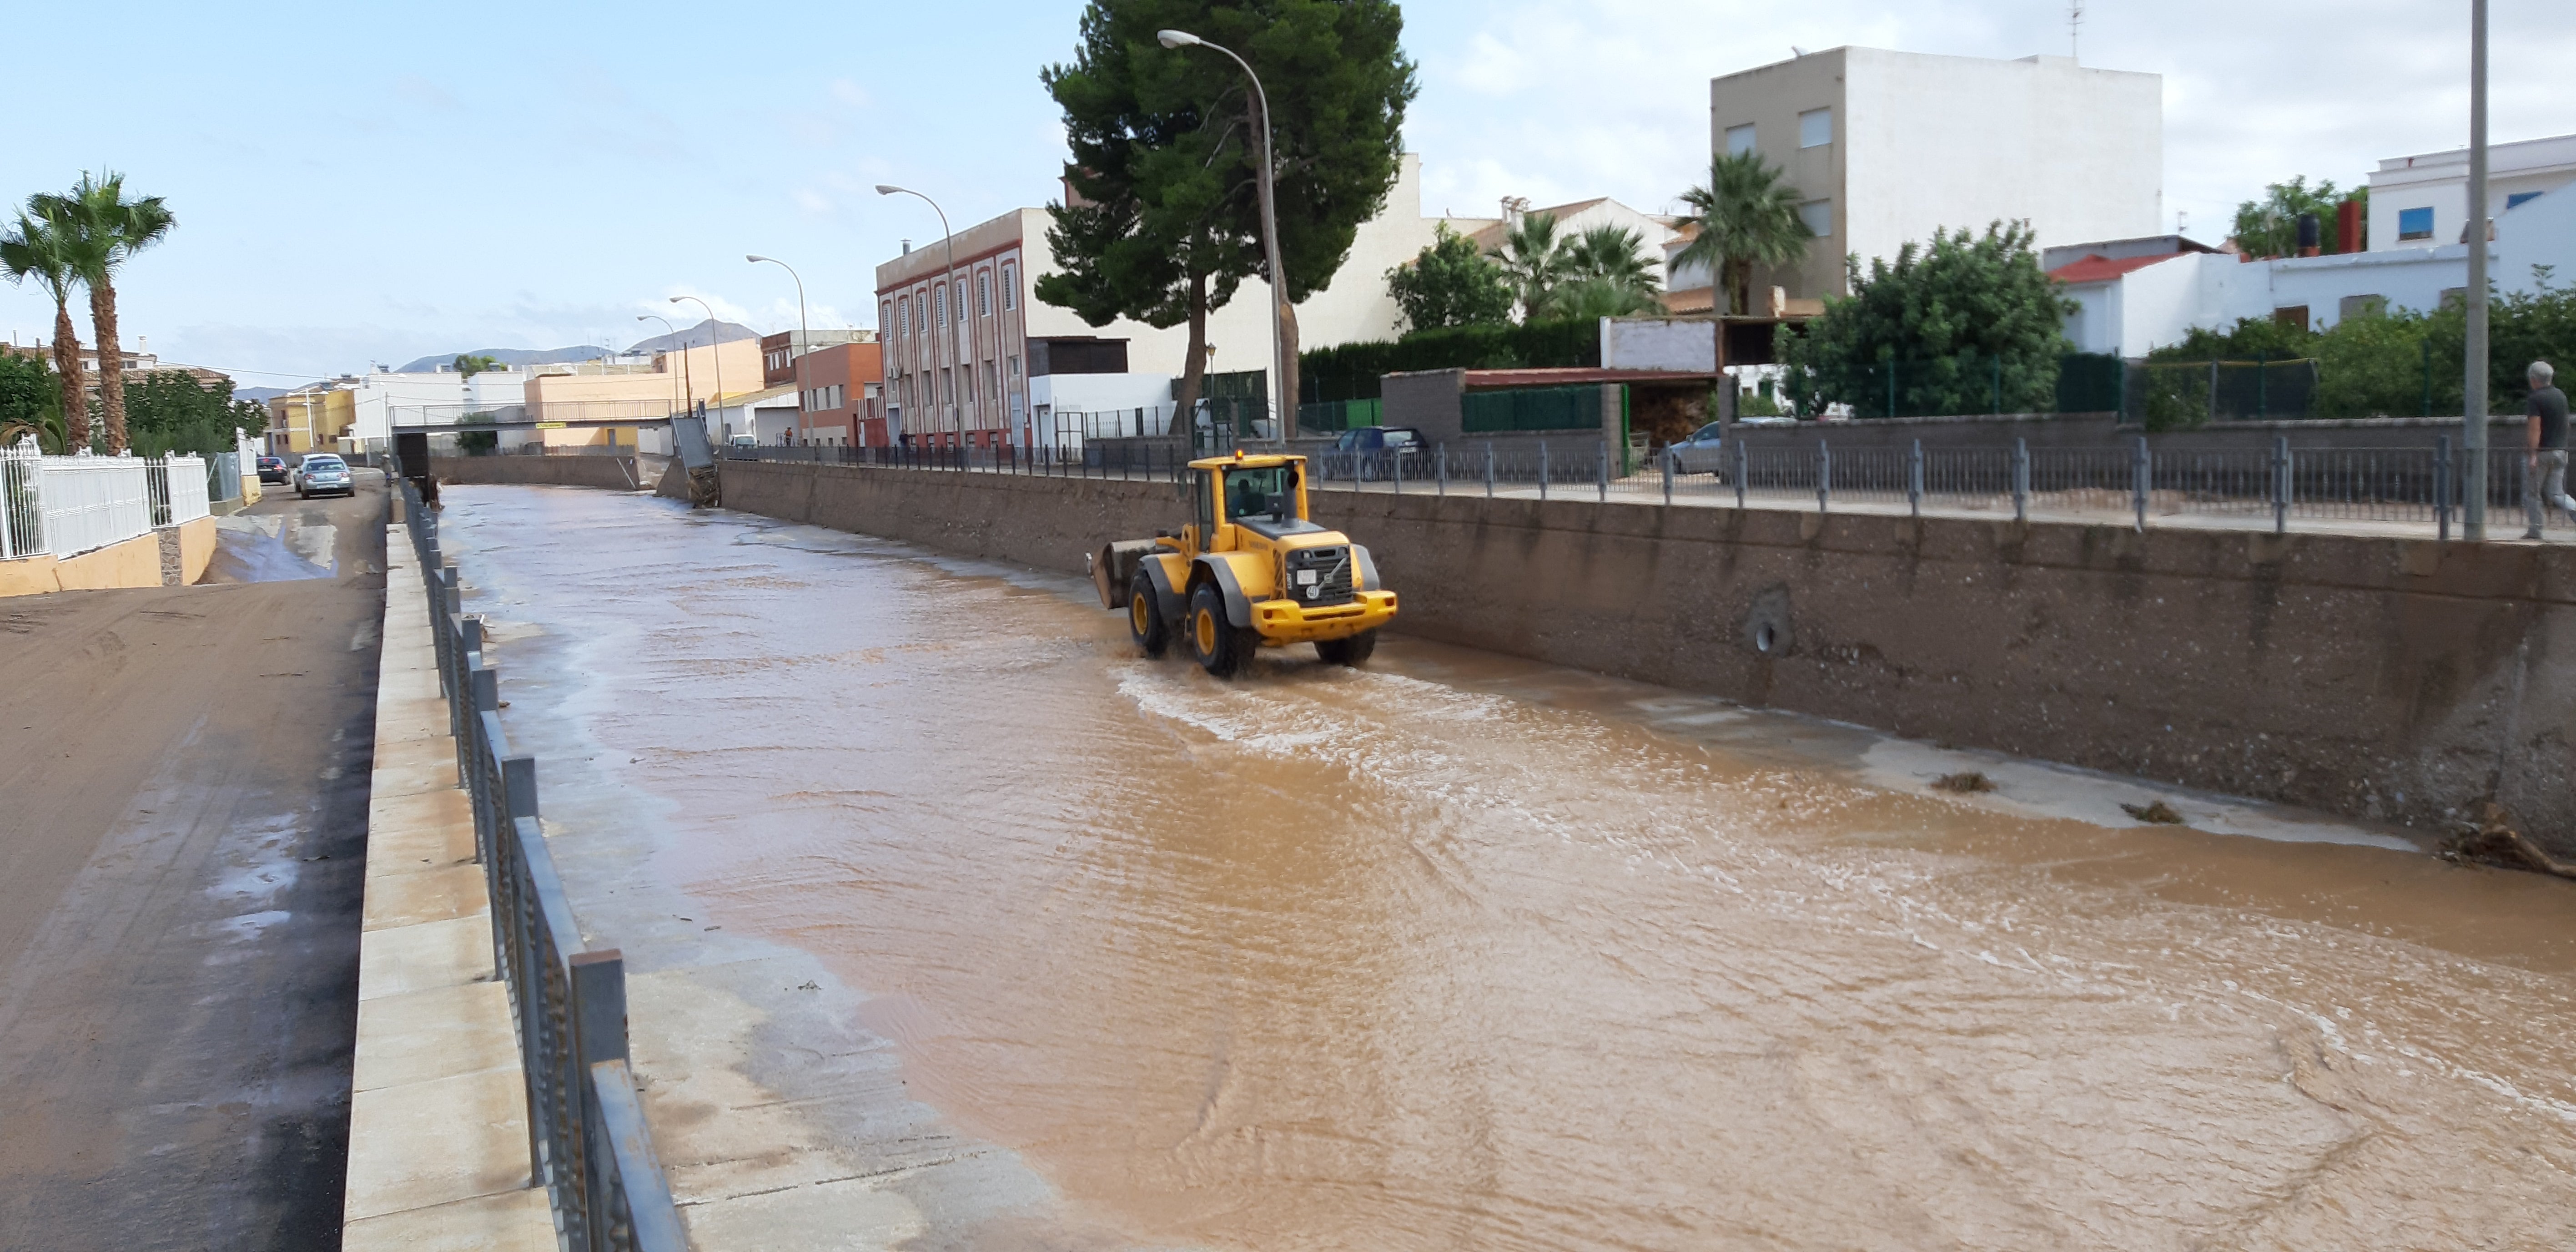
x: 2134, y: 296
x: 385, y: 398
x: 947, y: 381
x: 2420, y: 201
x: 1885, y: 147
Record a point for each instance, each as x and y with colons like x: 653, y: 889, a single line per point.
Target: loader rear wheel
x: 1352, y: 650
x: 1220, y: 647
x: 1145, y: 622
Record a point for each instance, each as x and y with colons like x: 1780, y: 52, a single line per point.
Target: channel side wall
x: 616, y: 473
x: 2393, y: 679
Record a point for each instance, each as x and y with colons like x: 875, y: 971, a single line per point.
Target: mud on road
x: 183, y: 787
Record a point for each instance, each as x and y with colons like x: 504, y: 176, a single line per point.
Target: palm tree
x: 1746, y: 217
x: 107, y: 228
x: 35, y: 249
x: 1534, y: 259
x: 1614, y: 257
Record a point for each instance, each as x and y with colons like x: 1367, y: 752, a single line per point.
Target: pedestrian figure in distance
x: 2544, y: 477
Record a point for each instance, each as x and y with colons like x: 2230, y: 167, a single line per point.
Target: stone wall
x: 2401, y: 680
x: 616, y: 473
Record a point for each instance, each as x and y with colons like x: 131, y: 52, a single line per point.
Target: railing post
x: 1824, y: 474
x: 1489, y: 469
x: 1542, y: 469
x: 1743, y: 470
x: 2021, y: 480
x: 599, y: 1034
x: 1668, y: 476
x: 2141, y: 479
x: 1601, y: 472
x: 1396, y: 470
x: 1914, y: 479
x: 2280, y: 484
x: 1440, y: 455
x: 2441, y: 484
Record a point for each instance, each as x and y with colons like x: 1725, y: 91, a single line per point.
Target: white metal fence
x: 67, y: 505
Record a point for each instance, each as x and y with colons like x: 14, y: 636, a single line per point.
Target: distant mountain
x: 507, y: 356
x: 701, y: 335
x: 698, y: 336
x: 259, y: 395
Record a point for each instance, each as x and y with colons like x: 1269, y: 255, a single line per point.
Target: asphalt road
x: 183, y: 791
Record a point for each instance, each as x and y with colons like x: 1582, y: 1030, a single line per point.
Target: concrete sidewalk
x: 438, y: 1129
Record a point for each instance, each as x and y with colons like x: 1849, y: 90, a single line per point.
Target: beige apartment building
x: 957, y: 340
x: 584, y: 394
x: 1885, y: 147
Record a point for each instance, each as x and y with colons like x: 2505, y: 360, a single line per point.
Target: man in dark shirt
x: 2544, y: 480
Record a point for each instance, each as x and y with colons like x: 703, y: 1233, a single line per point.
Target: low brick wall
x: 2394, y: 679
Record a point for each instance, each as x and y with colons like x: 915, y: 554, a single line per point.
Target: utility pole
x: 2473, y: 436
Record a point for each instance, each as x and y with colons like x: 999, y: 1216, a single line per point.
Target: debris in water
x: 1964, y: 782
x: 2158, y: 812
x: 2492, y: 840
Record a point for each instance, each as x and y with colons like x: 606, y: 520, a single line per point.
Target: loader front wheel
x: 1221, y: 649
x: 1352, y: 650
x: 1145, y: 622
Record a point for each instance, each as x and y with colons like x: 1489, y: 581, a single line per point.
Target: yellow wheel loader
x: 1248, y: 571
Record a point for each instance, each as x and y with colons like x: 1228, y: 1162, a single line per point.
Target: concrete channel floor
x: 438, y: 1130
x: 183, y: 809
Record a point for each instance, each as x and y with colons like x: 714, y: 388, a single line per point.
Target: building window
x: 2516, y: 199
x: 2415, y: 223
x: 1015, y: 365
x: 2360, y: 306
x: 1815, y: 128
x: 885, y: 314
x: 1010, y: 290
x: 983, y: 293
x: 939, y: 305
x: 1739, y: 139
x: 2294, y: 316
x: 1819, y: 217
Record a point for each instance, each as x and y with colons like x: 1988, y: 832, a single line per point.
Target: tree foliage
x: 1450, y: 283
x: 1746, y: 217
x: 30, y: 402
x: 467, y: 364
x: 170, y: 411
x: 2270, y: 226
x: 1163, y: 221
x: 38, y: 250
x: 1970, y: 319
x: 1534, y: 259
x: 103, y: 229
x: 2408, y: 362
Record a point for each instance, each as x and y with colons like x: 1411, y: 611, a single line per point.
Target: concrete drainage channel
x: 493, y: 1105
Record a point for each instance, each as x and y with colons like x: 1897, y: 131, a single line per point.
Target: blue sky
x: 371, y: 183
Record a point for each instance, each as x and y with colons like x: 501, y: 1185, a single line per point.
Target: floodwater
x: 1469, y: 952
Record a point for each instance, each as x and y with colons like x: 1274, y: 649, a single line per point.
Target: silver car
x: 324, y: 474
x: 1705, y: 452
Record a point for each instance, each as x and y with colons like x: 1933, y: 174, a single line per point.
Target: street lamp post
x: 2473, y: 435
x: 956, y: 300
x: 714, y: 349
x: 804, y: 333
x: 1286, y: 412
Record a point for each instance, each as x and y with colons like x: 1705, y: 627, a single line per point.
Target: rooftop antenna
x: 2074, y: 29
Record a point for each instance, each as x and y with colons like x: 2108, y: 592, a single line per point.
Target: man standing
x: 2544, y: 477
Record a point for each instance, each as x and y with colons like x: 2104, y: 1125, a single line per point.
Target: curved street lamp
x: 805, y: 332
x: 715, y: 348
x: 1269, y: 230
x: 956, y: 298
x: 673, y: 332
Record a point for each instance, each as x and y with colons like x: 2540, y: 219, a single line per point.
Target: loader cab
x: 1263, y: 495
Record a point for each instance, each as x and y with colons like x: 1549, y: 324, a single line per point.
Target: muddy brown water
x: 1467, y: 951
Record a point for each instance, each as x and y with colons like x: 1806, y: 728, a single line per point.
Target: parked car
x: 323, y: 473
x: 1375, y: 453
x: 1704, y: 452
x: 272, y: 469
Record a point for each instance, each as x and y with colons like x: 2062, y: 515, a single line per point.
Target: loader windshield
x: 1269, y: 491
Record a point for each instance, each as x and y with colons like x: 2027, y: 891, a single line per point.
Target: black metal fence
x: 587, y: 1140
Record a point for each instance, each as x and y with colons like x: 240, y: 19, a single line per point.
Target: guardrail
x: 587, y: 1139
x: 2133, y: 483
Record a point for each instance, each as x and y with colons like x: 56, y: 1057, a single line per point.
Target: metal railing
x: 68, y: 505
x: 177, y: 487
x: 587, y: 1139
x: 2129, y: 483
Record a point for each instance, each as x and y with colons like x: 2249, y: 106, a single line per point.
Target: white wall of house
x: 1656, y: 343
x: 441, y: 394
x: 1885, y: 147
x: 2439, y: 181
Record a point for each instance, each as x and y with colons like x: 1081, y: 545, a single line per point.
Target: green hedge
x: 1351, y: 371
